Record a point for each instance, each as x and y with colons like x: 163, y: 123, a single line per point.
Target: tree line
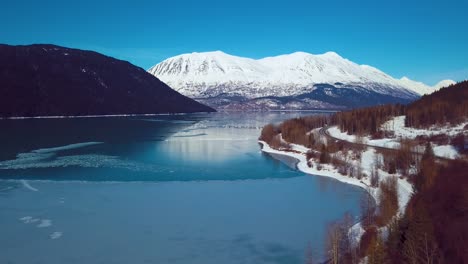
x: 448, y: 105
x: 434, y: 226
x: 433, y: 229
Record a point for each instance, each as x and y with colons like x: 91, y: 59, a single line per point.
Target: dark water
x: 166, y: 189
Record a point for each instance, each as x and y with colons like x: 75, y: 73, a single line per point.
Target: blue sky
x: 424, y: 40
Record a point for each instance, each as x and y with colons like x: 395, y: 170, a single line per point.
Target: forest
x: 434, y: 226
x: 448, y: 105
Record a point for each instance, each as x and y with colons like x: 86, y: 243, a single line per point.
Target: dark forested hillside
x: 446, y: 105
x: 44, y: 80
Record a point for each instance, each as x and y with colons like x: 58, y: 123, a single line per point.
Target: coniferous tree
x: 324, y: 155
x: 428, y: 170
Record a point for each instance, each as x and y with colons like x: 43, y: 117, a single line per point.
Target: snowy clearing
x: 397, y: 126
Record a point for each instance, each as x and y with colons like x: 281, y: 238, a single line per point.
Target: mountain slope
x: 422, y: 88
x: 216, y: 78
x: 45, y: 80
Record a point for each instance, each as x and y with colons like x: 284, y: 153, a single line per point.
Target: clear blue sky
x: 424, y: 40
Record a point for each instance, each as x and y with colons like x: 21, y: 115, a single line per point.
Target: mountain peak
x: 290, y: 74
x: 298, y: 53
x: 444, y: 83
x: 331, y: 54
x: 214, y: 52
x: 422, y: 88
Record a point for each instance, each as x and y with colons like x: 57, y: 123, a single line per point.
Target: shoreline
x: 355, y: 229
x: 159, y: 114
x: 301, y: 165
x: 404, y: 195
x: 92, y: 116
x: 404, y: 187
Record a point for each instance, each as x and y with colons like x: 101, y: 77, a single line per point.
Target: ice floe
x: 45, y: 223
x: 66, y: 147
x: 29, y: 220
x: 28, y: 186
x: 55, y: 235
x: 86, y: 161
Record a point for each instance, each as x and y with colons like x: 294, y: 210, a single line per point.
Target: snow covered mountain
x: 282, y: 82
x: 422, y: 88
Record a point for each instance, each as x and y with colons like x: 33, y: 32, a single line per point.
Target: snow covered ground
x: 405, y: 188
x: 397, y: 126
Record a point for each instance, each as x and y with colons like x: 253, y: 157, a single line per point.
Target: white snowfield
x: 208, y: 74
x: 397, y: 126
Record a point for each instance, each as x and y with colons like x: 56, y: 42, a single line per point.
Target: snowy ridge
x: 422, y: 88
x: 210, y: 74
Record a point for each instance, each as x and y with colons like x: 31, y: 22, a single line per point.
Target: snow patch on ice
x: 55, y: 235
x: 29, y: 220
x: 45, y: 223
x: 31, y: 159
x: 86, y: 161
x: 66, y: 147
x: 28, y: 186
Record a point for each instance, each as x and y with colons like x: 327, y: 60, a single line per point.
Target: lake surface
x: 163, y: 189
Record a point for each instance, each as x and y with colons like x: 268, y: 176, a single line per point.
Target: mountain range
x: 295, y: 81
x: 49, y: 80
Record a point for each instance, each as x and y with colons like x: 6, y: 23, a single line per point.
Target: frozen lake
x: 167, y: 189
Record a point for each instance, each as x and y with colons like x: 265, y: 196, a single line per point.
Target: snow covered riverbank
x: 405, y: 189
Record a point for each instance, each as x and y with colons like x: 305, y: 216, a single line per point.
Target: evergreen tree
x: 324, y: 155
x: 428, y: 151
x: 428, y: 170
x: 376, y: 252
